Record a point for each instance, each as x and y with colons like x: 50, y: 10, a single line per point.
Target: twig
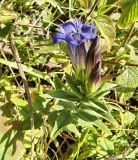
x: 116, y: 63
x: 123, y: 129
x: 125, y: 105
x: 17, y: 59
x: 33, y: 26
x: 128, y: 36
x: 58, y: 146
x: 37, y: 20
x: 92, y: 9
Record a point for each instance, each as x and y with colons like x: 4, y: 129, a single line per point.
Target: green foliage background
x: 102, y: 127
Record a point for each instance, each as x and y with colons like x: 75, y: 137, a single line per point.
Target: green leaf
x: 19, y: 102
x: 127, y: 118
x: 38, y: 120
x: 64, y: 105
x: 98, y: 103
x: 129, y: 13
x: 63, y: 119
x: 63, y: 95
x: 106, y: 28
x: 92, y: 105
x: 79, y: 145
x: 72, y: 128
x: 105, y: 88
x: 98, y: 113
x: 58, y: 83
x: 106, y: 146
x: 129, y: 80
x: 22, y: 104
x: 40, y: 104
x: 73, y: 85
x: 86, y: 120
x: 52, y: 116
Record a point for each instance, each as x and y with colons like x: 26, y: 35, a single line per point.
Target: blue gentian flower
x: 80, y: 38
x: 75, y: 33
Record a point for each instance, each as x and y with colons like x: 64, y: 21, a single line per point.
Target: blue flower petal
x: 78, y: 25
x: 68, y: 38
x: 68, y: 28
x: 89, y: 36
x: 93, y: 36
x: 87, y: 28
x: 58, y: 37
x: 87, y: 31
x: 77, y: 42
x: 75, y: 39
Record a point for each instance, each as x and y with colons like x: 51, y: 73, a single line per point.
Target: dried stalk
x: 92, y: 9
x: 28, y: 97
x: 116, y: 63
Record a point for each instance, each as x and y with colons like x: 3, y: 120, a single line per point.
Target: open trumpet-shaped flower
x: 83, y: 47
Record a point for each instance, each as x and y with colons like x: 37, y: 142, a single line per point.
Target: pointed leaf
x: 87, y: 120
x: 58, y: 83
x: 72, y: 128
x: 63, y: 95
x: 63, y: 119
x: 99, y: 103
x: 73, y: 85
x: 105, y: 89
x: 79, y: 145
x: 92, y: 111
